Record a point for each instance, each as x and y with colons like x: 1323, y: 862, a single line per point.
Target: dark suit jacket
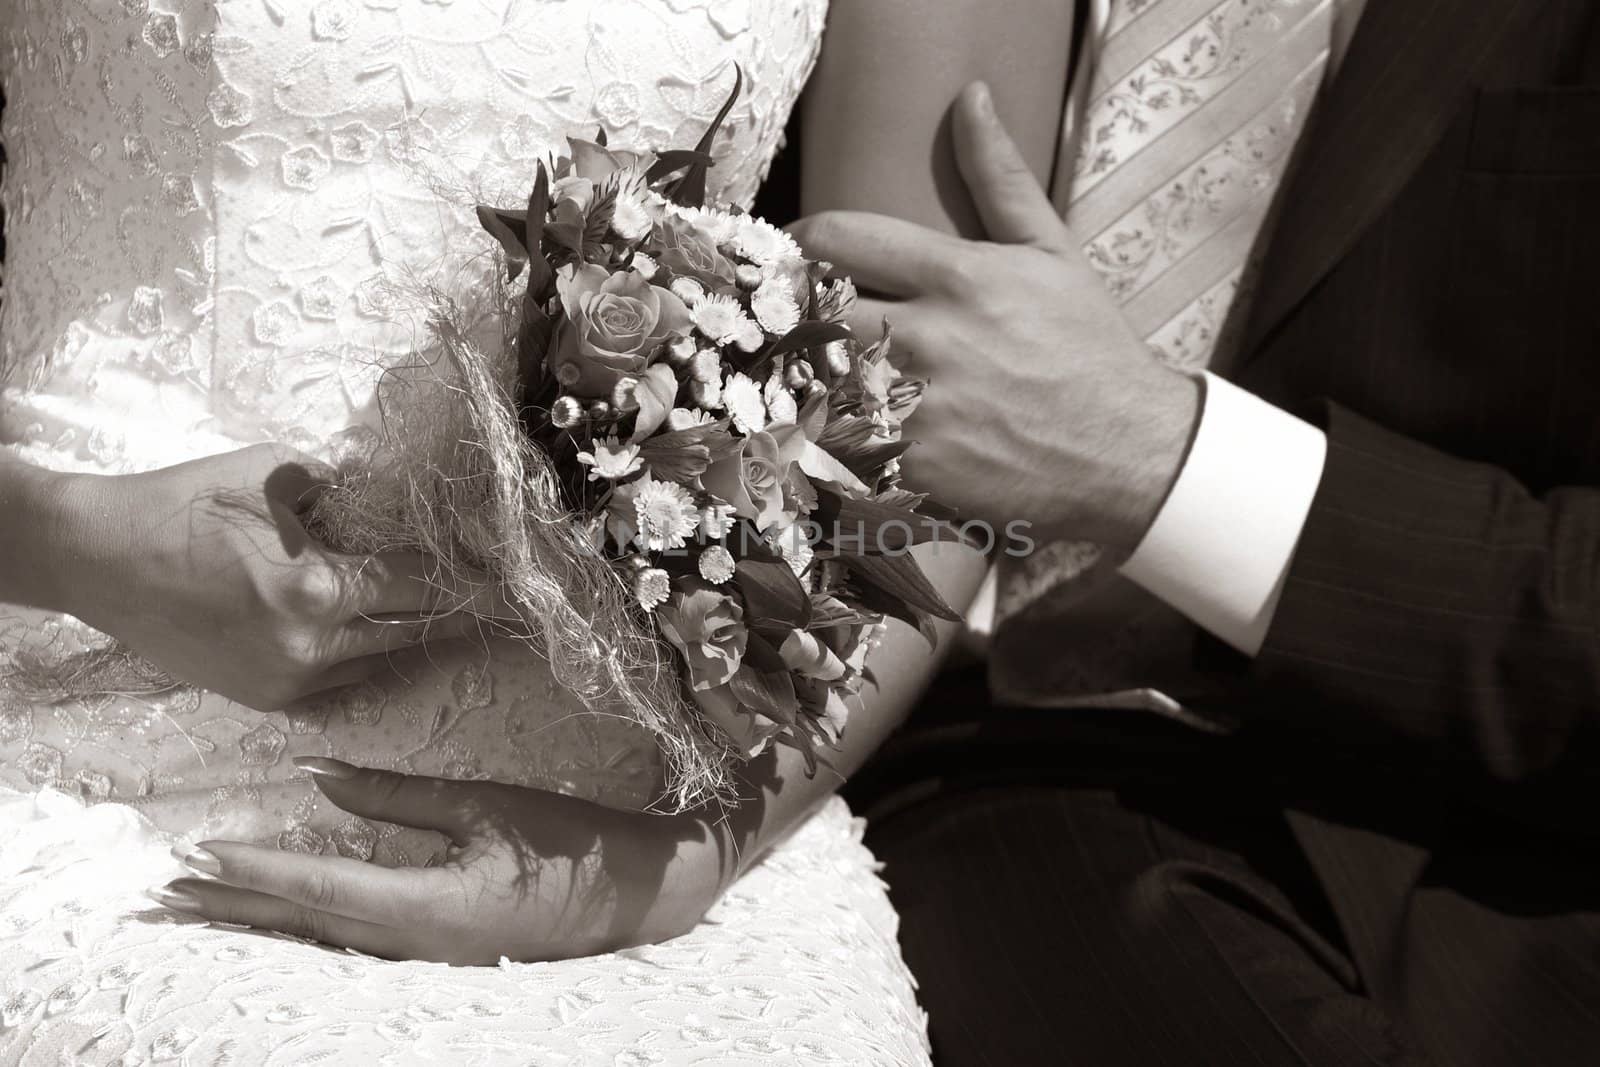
x: 1431, y: 297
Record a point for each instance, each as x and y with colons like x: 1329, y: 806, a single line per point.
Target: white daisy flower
x: 687, y: 418
x: 611, y: 459
x: 688, y: 290
x: 774, y: 307
x: 716, y: 519
x: 761, y: 242
x: 667, y: 515
x: 630, y: 219
x: 744, y: 402
x: 645, y: 265
x: 716, y: 565
x: 706, y: 394
x: 652, y: 586
x: 749, y: 338
x: 719, y: 317
x: 780, y: 402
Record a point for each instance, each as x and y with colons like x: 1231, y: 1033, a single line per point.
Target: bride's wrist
x: 75, y: 542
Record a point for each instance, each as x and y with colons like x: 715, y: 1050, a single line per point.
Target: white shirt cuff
x: 1221, y: 546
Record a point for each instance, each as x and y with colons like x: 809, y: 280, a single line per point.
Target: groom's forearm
x: 1440, y: 617
x: 777, y: 792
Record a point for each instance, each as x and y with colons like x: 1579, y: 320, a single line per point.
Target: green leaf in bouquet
x: 827, y: 610
x: 813, y: 417
x: 690, y: 190
x: 900, y: 577
x: 566, y: 235
x: 812, y: 334
x: 506, y: 228
x: 771, y: 693
x: 884, y: 603
x: 761, y: 652
x: 673, y: 160
x: 598, y: 221
x: 600, y: 136
x: 877, y: 527
x: 771, y: 591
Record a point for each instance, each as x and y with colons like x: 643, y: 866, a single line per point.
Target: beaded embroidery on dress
x: 208, y: 205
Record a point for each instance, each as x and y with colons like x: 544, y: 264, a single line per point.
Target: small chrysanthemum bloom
x: 681, y: 351
x: 761, y: 242
x: 780, y: 402
x: 716, y: 565
x: 630, y: 219
x: 686, y: 419
x: 611, y: 459
x: 742, y: 397
x: 716, y: 519
x: 706, y: 366
x: 719, y: 226
x: 719, y: 317
x: 749, y: 337
x: 688, y: 290
x: 774, y: 307
x: 706, y: 394
x: 645, y: 265
x: 624, y: 395
x: 667, y: 515
x: 652, y: 586
x: 567, y: 412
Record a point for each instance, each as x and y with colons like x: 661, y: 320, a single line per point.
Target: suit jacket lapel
x: 1399, y: 85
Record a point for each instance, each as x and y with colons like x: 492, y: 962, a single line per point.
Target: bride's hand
x: 205, y: 569
x: 532, y: 875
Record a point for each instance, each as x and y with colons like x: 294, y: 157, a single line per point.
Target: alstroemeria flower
x: 750, y: 731
x: 707, y: 626
x: 614, y: 324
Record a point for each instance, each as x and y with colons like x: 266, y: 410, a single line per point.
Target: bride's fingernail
x: 176, y: 899
x: 197, y: 859
x: 332, y: 768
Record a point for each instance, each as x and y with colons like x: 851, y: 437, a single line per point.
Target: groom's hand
x: 531, y: 875
x: 1043, y: 404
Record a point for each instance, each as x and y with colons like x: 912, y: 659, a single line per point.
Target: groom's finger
x: 405, y: 799
x: 1014, y: 209
x: 334, y: 884
x: 883, y: 254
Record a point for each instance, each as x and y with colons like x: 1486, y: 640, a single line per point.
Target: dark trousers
x: 1105, y: 888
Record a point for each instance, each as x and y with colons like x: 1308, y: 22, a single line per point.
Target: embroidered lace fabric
x: 209, y: 208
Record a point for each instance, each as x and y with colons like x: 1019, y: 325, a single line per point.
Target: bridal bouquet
x: 723, y: 439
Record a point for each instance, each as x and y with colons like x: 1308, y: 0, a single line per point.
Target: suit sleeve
x: 1438, y: 613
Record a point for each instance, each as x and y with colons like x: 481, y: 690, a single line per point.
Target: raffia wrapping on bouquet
x: 456, y: 477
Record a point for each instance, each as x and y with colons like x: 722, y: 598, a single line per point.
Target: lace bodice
x: 206, y: 199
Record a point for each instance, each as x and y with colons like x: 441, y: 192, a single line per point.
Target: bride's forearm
x: 35, y: 521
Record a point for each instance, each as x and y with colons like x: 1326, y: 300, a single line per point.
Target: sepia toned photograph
x: 866, y: 533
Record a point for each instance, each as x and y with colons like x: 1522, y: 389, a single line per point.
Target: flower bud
x: 566, y: 412
x: 622, y: 394
x: 602, y: 411
x: 748, y: 276
x: 816, y: 389
x: 568, y: 374
x: 838, y: 357
x: 798, y: 374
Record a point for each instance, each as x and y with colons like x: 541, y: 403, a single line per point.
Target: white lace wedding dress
x: 204, y: 203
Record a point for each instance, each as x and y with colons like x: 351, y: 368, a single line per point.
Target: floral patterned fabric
x: 210, y: 205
